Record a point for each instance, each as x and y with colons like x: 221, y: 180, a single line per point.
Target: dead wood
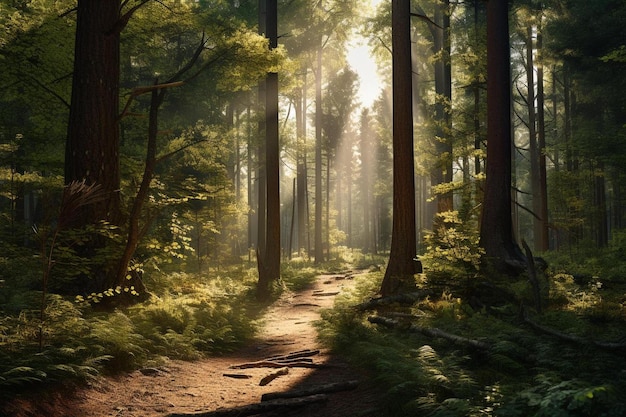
x: 318, y: 389
x: 325, y: 294
x: 409, y: 298
x: 611, y: 346
x: 271, y: 364
x: 258, y: 408
x: 269, y: 378
x: 294, y: 355
x: 237, y: 376
x: 299, y: 359
x: 432, y: 332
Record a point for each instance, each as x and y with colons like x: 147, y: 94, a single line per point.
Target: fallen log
x: 409, y: 298
x: 258, y: 408
x: 432, y: 332
x: 318, y: 389
x: 269, y: 378
x: 325, y: 294
x: 611, y: 346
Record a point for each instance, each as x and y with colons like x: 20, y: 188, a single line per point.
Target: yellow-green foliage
x: 452, y: 248
x: 196, y: 315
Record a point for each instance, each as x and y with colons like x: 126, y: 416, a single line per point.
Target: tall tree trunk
x: 399, y: 275
x: 261, y: 172
x: 301, y: 166
x: 542, y: 241
x: 367, y: 168
x: 442, y: 172
x: 249, y: 178
x: 269, y: 269
x: 476, y: 91
x: 92, y: 146
x: 496, y: 232
x: 532, y: 138
x: 319, y: 253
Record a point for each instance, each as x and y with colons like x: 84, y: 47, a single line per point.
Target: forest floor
x: 199, y: 387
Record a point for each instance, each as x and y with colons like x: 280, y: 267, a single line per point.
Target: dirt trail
x: 196, y: 387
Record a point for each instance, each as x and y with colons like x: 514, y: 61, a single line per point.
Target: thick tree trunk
x: 399, y: 275
x: 269, y: 269
x: 496, y: 232
x: 92, y: 147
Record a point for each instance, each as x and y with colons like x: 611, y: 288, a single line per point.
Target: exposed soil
x: 211, y: 384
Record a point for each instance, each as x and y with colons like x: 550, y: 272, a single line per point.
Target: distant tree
x: 589, y: 39
x: 368, y: 158
x: 337, y: 107
x: 399, y: 275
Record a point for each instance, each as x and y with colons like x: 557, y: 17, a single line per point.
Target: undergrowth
x: 524, y: 372
x: 187, y: 316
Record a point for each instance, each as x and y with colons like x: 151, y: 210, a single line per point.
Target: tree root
x: 305, y: 392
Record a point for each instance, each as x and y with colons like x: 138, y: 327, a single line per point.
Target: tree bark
x: 92, y: 145
x: 496, y: 231
x: 399, y: 275
x: 269, y: 270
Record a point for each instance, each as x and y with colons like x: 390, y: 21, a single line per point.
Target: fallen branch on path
x: 237, y: 376
x: 318, y: 389
x: 258, y: 408
x: 271, y: 364
x: 293, y: 355
x: 325, y: 294
x: 269, y: 378
x: 432, y: 332
x: 299, y: 359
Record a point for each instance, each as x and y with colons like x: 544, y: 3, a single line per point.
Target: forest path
x: 201, y: 386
